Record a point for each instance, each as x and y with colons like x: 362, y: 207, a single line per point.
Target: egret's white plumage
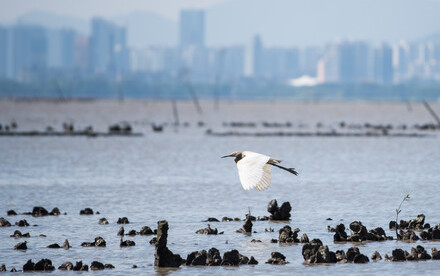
x: 254, y: 169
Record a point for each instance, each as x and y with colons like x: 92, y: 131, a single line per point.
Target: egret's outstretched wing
x: 253, y: 170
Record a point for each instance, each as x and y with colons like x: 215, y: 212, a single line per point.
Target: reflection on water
x: 179, y: 176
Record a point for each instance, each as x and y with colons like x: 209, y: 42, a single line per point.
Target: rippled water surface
x: 177, y: 175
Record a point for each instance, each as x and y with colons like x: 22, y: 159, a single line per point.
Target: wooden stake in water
x: 432, y: 112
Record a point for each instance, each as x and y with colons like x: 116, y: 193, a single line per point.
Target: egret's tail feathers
x: 291, y: 170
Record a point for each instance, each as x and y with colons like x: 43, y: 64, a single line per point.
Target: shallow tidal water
x: 178, y: 175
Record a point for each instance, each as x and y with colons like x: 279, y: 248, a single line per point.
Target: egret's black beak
x: 226, y: 156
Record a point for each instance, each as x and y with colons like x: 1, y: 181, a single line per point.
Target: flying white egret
x: 254, y: 169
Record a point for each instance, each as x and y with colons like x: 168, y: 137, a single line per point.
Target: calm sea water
x: 179, y: 176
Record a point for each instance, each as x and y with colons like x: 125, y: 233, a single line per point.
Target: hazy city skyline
x: 292, y: 23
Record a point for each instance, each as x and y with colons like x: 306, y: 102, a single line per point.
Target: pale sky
x: 11, y: 9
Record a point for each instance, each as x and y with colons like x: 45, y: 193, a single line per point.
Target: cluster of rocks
x: 45, y: 265
x: 417, y: 254
x: 17, y: 234
x: 212, y: 258
x: 279, y: 213
x: 99, y: 242
x: 315, y: 252
x: 359, y: 233
x: 39, y: 211
x: 145, y: 231
x: 123, y: 220
x: 407, y: 229
x: 286, y: 235
x: 208, y: 231
x: 123, y: 127
x: 126, y: 243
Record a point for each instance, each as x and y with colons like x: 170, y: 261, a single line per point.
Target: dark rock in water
x: 44, y: 265
x: 331, y: 229
x: 132, y: 233
x: 20, y: 246
x: 99, y: 242
x: 197, y: 258
x: 207, y: 231
x: 418, y: 253
x: 11, y: 213
x: 279, y: 213
x: 352, y: 252
x: 22, y: 223
x: 329, y: 219
x: 435, y: 254
x: 227, y: 219
x: 211, y: 220
x: 42, y: 235
x: 123, y: 220
x: 360, y: 259
x: 264, y: 218
x: 96, y: 266
x: 274, y: 241
x: 3, y: 268
x: 377, y: 234
x: 214, y: 258
x: 409, y: 235
x: 237, y: 219
x: 359, y: 232
x: 54, y: 245
x: 153, y: 241
x: 103, y: 221
x: 286, y: 235
x: 315, y: 252
x: 417, y: 223
x: 80, y: 267
x: 17, y: 234
x: 163, y: 256
x: 340, y: 256
x: 340, y: 234
x: 134, y: 266
x: 66, y: 244
x: 252, y: 261
x: 126, y: 243
x: 13, y: 270
x: 121, y: 231
x: 392, y: 225
x: 268, y: 230
x: 234, y: 258
x: 55, y: 212
x: 86, y: 211
x: 28, y: 266
x: 4, y: 223
x: 145, y: 231
x: 66, y: 266
x: 376, y: 256
x: 254, y: 240
x: 277, y: 258
x: 109, y: 266
x: 398, y: 255
x: 304, y: 239
x: 39, y: 211
x: 252, y: 218
x: 247, y: 226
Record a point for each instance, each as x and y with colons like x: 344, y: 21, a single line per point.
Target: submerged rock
x: 80, y: 267
x: 279, y: 213
x: 227, y: 219
x: 163, y: 256
x: 55, y: 212
x: 11, y: 213
x: 96, y: 266
x: 315, y: 252
x: 277, y: 259
x: 123, y: 220
x: 17, y: 234
x: 234, y: 258
x: 132, y: 233
x: 54, y: 245
x: 376, y: 256
x: 99, y: 242
x: 126, y: 243
x: 86, y: 211
x: 211, y: 220
x: 39, y: 211
x: 3, y: 268
x: 208, y: 231
x: 103, y: 221
x: 145, y: 231
x: 44, y: 265
x: 22, y: 223
x: 66, y: 266
x: 204, y: 258
x: 121, y: 231
x: 4, y: 222
x: 21, y: 246
x: 435, y: 254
